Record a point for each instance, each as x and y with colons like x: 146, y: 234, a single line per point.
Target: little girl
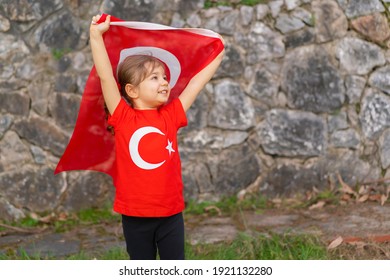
x: 149, y: 194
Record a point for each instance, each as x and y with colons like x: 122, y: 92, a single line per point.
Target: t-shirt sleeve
x: 177, y: 113
x: 122, y: 111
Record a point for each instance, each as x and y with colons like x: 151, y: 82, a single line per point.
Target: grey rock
x: 38, y: 154
x: 292, y: 134
x: 304, y: 15
x: 351, y: 167
x: 358, y: 56
x: 299, y: 38
x: 185, y: 7
x: 142, y: 10
x: 57, y: 35
x: 330, y: 21
x: 11, y: 46
x: 177, y: 21
x: 275, y: 7
x: 246, y: 13
x: 194, y: 21
x: 42, y: 133
x: 228, y: 22
x: 337, y: 121
x: 39, y: 92
x: 264, y: 87
x: 312, y: 83
x: 8, y: 212
x: 5, y: 123
x: 261, y: 11
x: 13, y: 152
x: 5, y: 24
x: 384, y: 149
x: 232, y: 64
x: 243, y: 170
x: 213, y: 139
x: 25, y: 11
x: 355, y: 86
x: 380, y: 79
x: 64, y: 108
x: 345, y: 139
x: 362, y: 7
x: 264, y: 43
x: 286, y: 180
x: 65, y: 83
x: 232, y: 109
x: 197, y: 180
x: 37, y: 190
x: 375, y: 113
x: 17, y: 103
x: 86, y: 190
x: 287, y: 23
x: 197, y: 114
x: 292, y: 4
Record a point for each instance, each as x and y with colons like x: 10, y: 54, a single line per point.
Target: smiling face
x: 143, y: 82
x: 153, y: 91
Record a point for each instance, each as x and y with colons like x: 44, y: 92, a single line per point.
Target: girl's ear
x: 131, y: 91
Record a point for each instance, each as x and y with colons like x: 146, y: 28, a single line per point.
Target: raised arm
x: 197, y: 83
x: 102, y: 63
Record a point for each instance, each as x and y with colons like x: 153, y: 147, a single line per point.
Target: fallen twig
x: 22, y: 230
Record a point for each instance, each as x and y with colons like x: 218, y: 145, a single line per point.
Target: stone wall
x: 301, y: 96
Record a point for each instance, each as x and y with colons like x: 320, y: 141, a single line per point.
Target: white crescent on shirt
x: 134, y: 147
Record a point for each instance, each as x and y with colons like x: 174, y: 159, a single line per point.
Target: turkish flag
x: 185, y: 52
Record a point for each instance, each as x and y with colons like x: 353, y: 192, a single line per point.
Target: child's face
x: 154, y: 90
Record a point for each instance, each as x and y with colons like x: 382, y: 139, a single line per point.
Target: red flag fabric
x: 185, y: 52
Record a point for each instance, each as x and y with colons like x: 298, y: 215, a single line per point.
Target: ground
x: 351, y: 231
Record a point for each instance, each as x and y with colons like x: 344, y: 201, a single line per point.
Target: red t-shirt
x: 148, y: 180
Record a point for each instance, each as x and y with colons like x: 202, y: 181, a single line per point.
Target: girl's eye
x: 165, y: 78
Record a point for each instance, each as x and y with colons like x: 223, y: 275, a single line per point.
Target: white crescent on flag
x: 185, y: 52
x: 168, y: 58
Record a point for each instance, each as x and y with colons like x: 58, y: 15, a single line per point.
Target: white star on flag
x: 169, y: 147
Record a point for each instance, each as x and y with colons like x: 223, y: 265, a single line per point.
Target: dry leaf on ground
x: 335, y: 243
x: 318, y: 205
x: 215, y: 208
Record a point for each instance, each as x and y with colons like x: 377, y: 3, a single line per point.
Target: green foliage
x: 62, y: 224
x: 357, y: 108
x: 59, y: 53
x: 87, y: 216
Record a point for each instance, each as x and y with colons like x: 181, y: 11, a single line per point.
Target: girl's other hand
x: 101, y: 27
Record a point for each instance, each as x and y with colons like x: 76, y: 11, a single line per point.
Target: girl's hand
x: 101, y: 27
x: 223, y: 41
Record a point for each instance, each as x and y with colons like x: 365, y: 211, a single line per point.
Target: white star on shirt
x: 169, y: 147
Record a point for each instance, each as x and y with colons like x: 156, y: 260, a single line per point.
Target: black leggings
x: 144, y: 236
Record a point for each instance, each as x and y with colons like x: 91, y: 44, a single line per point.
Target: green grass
x: 275, y: 247
x: 59, y: 53
x: 83, y: 217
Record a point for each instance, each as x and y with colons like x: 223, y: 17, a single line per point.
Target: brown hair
x: 133, y: 70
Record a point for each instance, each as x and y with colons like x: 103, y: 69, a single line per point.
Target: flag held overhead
x: 184, y: 51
